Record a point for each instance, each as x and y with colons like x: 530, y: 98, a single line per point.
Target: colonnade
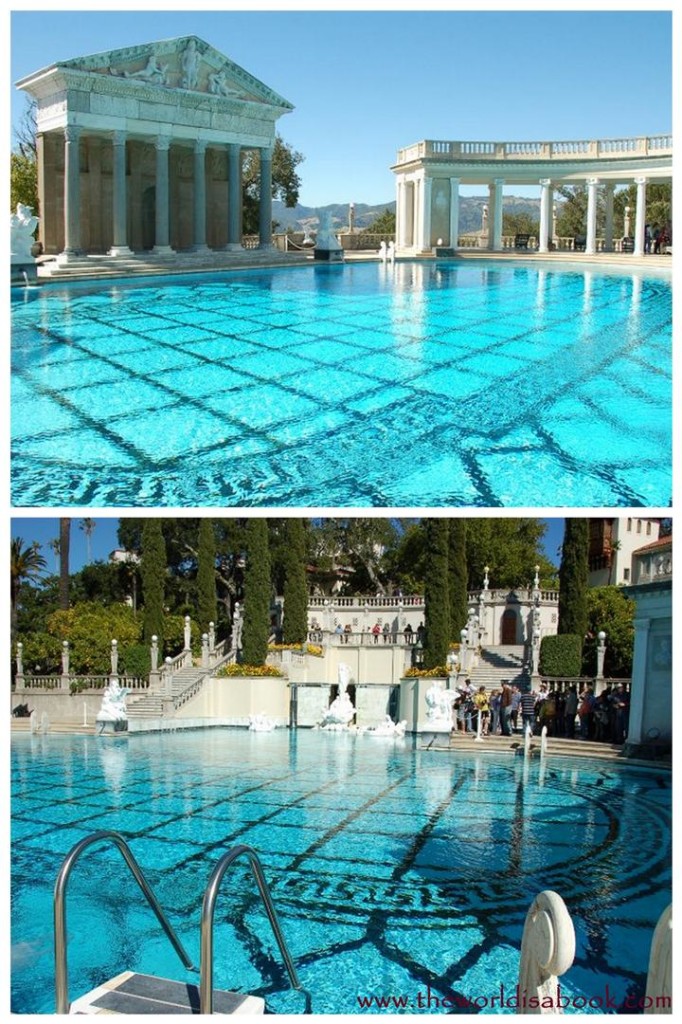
x: 123, y: 183
x: 428, y: 212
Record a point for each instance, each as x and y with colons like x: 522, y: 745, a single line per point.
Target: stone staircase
x: 177, y: 263
x: 499, y: 664
x: 186, y: 682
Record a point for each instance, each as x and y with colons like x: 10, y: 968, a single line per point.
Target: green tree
x: 153, y: 572
x: 89, y: 629
x: 520, y: 224
x: 26, y: 566
x: 609, y: 609
x: 64, y: 547
x: 510, y: 547
x: 285, y: 181
x: 383, y: 223
x: 295, y: 584
x: 573, y: 573
x: 256, y: 627
x: 207, y: 598
x: 436, y: 603
x: 23, y: 182
x: 457, y: 576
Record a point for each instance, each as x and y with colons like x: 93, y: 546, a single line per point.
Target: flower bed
x: 439, y: 672
x: 247, y: 670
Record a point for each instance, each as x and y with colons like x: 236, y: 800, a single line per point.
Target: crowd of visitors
x: 566, y: 713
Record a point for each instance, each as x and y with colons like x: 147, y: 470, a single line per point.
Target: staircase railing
x: 207, y: 914
x: 60, y: 936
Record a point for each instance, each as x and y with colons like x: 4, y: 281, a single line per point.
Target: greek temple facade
x: 429, y: 175
x: 141, y: 149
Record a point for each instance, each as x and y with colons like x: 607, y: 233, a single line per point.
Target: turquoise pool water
x: 426, y: 385
x: 392, y: 869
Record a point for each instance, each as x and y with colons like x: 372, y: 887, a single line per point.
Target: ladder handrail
x: 207, y: 914
x: 61, y: 970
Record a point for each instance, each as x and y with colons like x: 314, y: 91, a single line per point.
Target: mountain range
x: 298, y: 218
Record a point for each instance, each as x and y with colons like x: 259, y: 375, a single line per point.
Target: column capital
x: 455, y: 181
x: 162, y: 142
x: 119, y: 138
x: 641, y: 181
x: 545, y: 182
x: 72, y: 132
x: 498, y: 182
x: 200, y: 145
x: 593, y: 181
x: 266, y: 153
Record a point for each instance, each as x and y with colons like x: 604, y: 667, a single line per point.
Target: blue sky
x: 104, y: 540
x: 365, y: 83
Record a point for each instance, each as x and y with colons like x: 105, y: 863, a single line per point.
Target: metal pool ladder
x: 175, y: 997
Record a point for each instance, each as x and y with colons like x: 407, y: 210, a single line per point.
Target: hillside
x: 470, y: 213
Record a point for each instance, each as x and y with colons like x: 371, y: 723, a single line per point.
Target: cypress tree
x: 207, y: 598
x: 153, y: 572
x: 295, y: 584
x: 256, y: 593
x: 573, y: 572
x: 436, y: 598
x: 457, y: 575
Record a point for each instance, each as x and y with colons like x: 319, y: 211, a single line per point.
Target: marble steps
x: 183, y: 263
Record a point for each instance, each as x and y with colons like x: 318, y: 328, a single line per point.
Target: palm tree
x: 54, y: 547
x: 88, y: 526
x: 64, y: 543
x: 26, y: 563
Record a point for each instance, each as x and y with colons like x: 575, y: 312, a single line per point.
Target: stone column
x: 454, y: 212
x: 204, y: 651
x: 65, y: 666
x: 265, y: 208
x: 114, y: 659
x: 640, y: 660
x: 19, y: 678
x: 425, y: 235
x: 601, y: 651
x: 234, y: 196
x: 495, y: 242
x: 120, y: 246
x: 399, y: 212
x: 154, y: 673
x: 162, y: 239
x: 546, y: 201
x: 608, y: 225
x: 591, y: 233
x: 199, y: 196
x: 42, y: 203
x: 72, y: 242
x: 640, y: 216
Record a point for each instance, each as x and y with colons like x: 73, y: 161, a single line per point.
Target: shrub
x: 561, y: 655
x: 247, y: 670
x: 439, y: 672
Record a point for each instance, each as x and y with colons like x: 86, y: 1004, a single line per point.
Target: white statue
x: 388, y: 728
x: 151, y: 72
x: 22, y: 226
x: 326, y: 239
x: 237, y: 625
x: 439, y: 704
x: 113, y: 703
x: 547, y: 952
x: 190, y: 66
x: 383, y: 253
x: 340, y: 712
x: 261, y: 723
x: 218, y: 84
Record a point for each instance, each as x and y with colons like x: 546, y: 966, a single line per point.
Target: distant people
x: 585, y: 710
x: 339, y: 632
x: 421, y: 633
x: 494, y: 712
x: 515, y: 705
x: 386, y: 632
x: 347, y: 630
x: 408, y: 633
x: 505, y: 709
x: 621, y: 702
x: 570, y: 711
x: 376, y: 632
x: 528, y: 701
x: 483, y: 709
x: 647, y: 238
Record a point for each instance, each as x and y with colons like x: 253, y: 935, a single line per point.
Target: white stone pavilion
x: 429, y: 175
x: 141, y: 149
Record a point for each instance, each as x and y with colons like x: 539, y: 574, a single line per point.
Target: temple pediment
x: 187, y: 63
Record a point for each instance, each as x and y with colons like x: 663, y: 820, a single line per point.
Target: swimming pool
x: 419, y: 384
x: 391, y: 869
